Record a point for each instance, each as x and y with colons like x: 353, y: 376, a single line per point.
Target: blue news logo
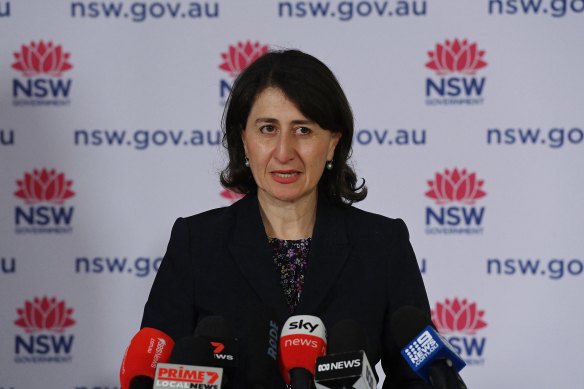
x: 44, y: 320
x: 45, y: 192
x: 456, y: 63
x: 42, y: 65
x: 455, y: 193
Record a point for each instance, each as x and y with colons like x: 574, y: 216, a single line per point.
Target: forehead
x: 275, y: 101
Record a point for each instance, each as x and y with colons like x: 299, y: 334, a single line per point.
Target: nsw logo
x: 460, y: 322
x: 41, y: 65
x: 455, y: 64
x: 44, y: 193
x: 44, y: 321
x: 235, y: 60
x: 455, y: 193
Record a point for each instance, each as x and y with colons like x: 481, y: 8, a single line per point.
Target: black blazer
x: 361, y: 266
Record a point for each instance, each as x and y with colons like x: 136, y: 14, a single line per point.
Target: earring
x: 246, y: 163
x: 329, y: 165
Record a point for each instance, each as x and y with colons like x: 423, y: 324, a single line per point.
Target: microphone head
x: 262, y: 347
x: 191, y: 351
x: 303, y: 340
x: 219, y: 334
x: 421, y: 345
x: 346, y: 365
x: 346, y: 336
x: 406, y: 323
x: 147, y: 348
x: 189, y: 364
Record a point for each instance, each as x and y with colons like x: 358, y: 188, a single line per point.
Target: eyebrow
x: 272, y: 120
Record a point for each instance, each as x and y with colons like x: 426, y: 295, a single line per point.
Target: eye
x: 303, y: 131
x: 267, y: 129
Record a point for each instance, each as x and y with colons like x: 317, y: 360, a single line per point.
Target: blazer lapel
x: 252, y: 254
x: 328, y: 253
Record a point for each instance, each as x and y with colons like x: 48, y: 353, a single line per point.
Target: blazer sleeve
x: 405, y: 287
x: 170, y: 305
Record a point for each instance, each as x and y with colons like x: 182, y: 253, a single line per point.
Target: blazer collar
x: 251, y: 251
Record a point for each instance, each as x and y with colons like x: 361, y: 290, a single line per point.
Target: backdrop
x: 470, y: 127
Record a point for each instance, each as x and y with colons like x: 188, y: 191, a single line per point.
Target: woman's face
x: 287, y: 151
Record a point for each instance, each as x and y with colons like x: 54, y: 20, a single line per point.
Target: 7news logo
x: 218, y: 353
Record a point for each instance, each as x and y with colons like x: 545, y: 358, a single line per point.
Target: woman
x: 294, y: 244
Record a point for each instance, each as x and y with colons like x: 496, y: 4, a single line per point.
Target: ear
x: 243, y: 141
x: 335, y: 138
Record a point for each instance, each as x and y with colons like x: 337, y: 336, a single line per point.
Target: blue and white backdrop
x: 470, y: 126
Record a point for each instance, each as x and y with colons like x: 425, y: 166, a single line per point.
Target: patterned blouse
x: 291, y: 260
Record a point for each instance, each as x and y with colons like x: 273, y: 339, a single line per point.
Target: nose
x: 285, y: 148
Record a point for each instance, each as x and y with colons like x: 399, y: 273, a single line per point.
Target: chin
x: 289, y: 196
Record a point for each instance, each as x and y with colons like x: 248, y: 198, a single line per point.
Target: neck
x: 288, y: 220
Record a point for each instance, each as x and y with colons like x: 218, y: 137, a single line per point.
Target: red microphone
x: 303, y: 340
x: 147, y: 348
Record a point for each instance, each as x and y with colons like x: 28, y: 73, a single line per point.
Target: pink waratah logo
x: 42, y: 58
x: 241, y: 55
x: 458, y: 316
x: 231, y: 195
x: 456, y: 185
x: 457, y: 56
x: 44, y: 314
x: 44, y: 186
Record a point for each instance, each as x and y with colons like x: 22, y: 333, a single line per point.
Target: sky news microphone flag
x: 303, y: 339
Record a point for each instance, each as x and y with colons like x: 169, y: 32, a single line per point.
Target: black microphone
x: 225, y: 350
x: 189, y: 366
x: 262, y: 352
x: 346, y: 365
x: 429, y: 355
x: 141, y: 382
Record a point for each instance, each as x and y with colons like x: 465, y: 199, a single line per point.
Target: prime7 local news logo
x: 170, y: 375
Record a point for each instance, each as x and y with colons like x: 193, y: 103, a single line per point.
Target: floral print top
x: 291, y: 260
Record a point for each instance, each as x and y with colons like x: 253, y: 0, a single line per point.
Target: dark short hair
x: 314, y: 89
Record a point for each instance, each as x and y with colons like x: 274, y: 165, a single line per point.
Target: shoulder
x: 360, y: 222
x: 218, y: 222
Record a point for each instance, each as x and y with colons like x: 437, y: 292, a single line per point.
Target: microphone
x: 303, y: 340
x: 188, y: 367
x: 429, y: 355
x: 262, y: 352
x: 224, y: 347
x: 346, y: 365
x: 146, y: 349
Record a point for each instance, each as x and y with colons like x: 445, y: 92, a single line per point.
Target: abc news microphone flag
x: 471, y: 130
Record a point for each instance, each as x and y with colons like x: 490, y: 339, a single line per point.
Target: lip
x: 285, y: 176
